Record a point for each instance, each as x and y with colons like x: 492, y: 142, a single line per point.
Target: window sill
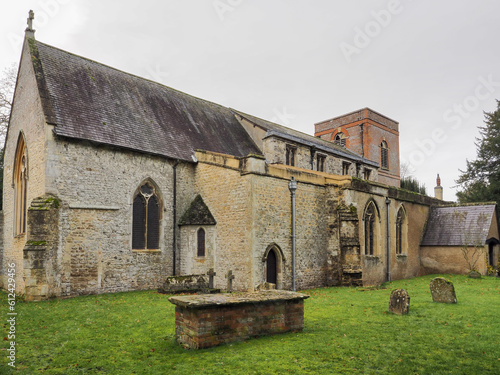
x: 401, y: 256
x: 146, y: 251
x: 374, y: 257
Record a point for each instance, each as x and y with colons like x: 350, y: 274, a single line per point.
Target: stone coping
x: 228, y: 299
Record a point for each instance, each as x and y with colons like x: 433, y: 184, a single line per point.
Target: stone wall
x: 41, y: 268
x: 190, y: 262
x: 96, y: 186
x: 27, y: 118
x: 2, y: 249
x: 227, y: 194
x: 450, y: 259
x: 272, y: 225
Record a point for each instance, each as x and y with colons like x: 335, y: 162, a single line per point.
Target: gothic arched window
x: 201, y: 242
x: 146, y: 219
x: 20, y: 186
x: 400, y: 232
x: 384, y: 155
x: 370, y: 223
x: 340, y: 139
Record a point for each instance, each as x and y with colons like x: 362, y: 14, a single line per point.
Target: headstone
x: 266, y: 286
x: 442, y: 290
x: 230, y: 278
x: 211, y: 275
x: 474, y: 274
x: 399, y: 303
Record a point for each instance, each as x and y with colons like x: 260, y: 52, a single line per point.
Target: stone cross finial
x: 230, y: 278
x: 31, y: 17
x: 29, y: 30
x: 211, y: 273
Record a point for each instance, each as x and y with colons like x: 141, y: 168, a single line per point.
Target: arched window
x: 400, y: 232
x: 146, y: 219
x: 384, y: 155
x: 20, y: 186
x: 340, y: 139
x: 201, y: 242
x: 370, y: 223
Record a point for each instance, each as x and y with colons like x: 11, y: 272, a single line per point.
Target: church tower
x: 369, y: 134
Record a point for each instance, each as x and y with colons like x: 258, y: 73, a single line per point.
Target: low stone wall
x: 203, y: 321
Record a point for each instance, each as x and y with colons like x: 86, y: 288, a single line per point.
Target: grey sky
x: 432, y: 66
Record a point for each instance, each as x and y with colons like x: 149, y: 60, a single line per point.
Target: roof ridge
x: 332, y: 144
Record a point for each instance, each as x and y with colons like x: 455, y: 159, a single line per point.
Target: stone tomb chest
x: 206, y: 320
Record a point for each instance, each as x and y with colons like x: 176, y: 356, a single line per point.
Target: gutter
x: 174, y: 216
x: 387, y: 203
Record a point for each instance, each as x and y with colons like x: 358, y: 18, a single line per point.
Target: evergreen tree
x: 480, y: 182
x: 412, y: 184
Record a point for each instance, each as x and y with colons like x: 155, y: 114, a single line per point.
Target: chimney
x: 438, y: 190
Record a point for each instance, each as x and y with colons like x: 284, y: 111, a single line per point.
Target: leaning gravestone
x: 442, y: 290
x: 399, y: 303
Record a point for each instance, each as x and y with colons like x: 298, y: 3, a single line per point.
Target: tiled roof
x: 90, y: 101
x: 456, y: 226
x: 197, y: 214
x: 306, y: 139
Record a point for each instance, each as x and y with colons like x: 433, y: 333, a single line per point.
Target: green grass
x: 347, y: 330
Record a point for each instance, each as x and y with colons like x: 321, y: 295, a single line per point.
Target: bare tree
x: 7, y: 84
x: 405, y: 170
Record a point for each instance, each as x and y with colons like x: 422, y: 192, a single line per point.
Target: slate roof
x: 197, y: 214
x: 455, y: 226
x: 283, y: 132
x: 90, y: 101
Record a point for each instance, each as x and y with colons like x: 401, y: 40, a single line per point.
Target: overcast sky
x: 433, y: 66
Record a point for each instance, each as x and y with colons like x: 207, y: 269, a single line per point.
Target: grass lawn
x: 347, y: 330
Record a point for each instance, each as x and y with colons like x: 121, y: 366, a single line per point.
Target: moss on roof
x: 197, y: 214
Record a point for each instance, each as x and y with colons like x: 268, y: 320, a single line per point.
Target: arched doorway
x: 272, y: 267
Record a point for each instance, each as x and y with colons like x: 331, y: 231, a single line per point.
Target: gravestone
x: 474, y: 274
x: 442, y: 290
x: 211, y: 273
x: 399, y: 303
x: 266, y: 286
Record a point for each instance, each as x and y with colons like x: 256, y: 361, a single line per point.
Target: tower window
x: 340, y: 139
x: 384, y: 155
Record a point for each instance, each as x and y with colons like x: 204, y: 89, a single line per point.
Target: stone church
x: 113, y: 182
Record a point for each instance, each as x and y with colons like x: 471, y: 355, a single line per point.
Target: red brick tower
x: 370, y: 134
